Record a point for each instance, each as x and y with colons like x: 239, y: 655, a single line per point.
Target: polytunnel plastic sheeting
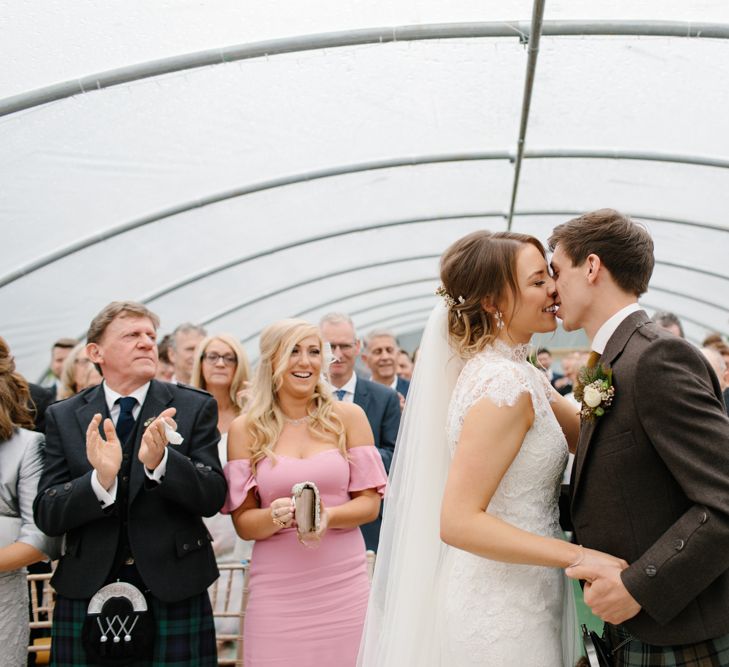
x: 331, y: 173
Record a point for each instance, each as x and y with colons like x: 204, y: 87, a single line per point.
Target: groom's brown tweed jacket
x: 650, y: 484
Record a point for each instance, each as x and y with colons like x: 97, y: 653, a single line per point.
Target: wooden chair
x: 41, y: 611
x: 371, y: 557
x: 229, y: 597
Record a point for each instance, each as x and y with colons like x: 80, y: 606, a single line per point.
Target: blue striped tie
x: 340, y: 394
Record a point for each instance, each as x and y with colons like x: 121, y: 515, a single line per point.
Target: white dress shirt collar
x: 348, y: 387
x: 610, y: 325
x: 111, y: 396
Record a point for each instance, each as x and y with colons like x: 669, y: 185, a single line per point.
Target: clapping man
x: 129, y: 503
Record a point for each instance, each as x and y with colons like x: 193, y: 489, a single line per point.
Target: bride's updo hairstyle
x: 481, y: 264
x: 264, y: 416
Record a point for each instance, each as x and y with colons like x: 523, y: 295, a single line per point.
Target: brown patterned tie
x: 593, y: 359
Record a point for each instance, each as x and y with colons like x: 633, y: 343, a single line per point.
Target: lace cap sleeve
x: 502, y: 383
x: 366, y: 470
x: 239, y: 475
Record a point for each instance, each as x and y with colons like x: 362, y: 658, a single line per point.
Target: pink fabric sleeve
x: 366, y: 470
x: 240, y: 480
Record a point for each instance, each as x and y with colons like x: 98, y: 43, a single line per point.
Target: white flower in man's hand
x: 592, y: 396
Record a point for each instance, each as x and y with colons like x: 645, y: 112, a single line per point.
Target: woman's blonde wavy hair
x: 242, y: 368
x: 264, y: 416
x: 480, y: 265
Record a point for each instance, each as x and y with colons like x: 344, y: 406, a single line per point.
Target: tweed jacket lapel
x: 158, y: 399
x: 612, y: 351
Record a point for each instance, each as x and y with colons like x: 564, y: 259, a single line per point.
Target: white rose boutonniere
x: 594, y: 390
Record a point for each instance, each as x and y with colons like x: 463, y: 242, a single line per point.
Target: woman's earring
x: 499, y: 320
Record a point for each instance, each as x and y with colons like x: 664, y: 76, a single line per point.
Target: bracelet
x: 580, y: 559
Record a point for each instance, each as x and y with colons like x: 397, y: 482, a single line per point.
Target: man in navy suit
x: 381, y: 404
x: 131, y: 506
x: 380, y: 354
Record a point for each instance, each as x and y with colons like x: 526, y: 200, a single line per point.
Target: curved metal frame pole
x: 297, y: 283
x: 314, y: 279
x: 383, y: 35
x: 534, y: 35
x: 346, y: 170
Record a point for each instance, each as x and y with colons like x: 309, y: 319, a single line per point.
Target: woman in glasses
x: 221, y: 367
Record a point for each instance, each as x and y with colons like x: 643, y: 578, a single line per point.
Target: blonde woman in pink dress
x: 307, y: 600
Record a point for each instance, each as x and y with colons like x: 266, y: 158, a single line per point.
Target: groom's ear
x: 593, y: 265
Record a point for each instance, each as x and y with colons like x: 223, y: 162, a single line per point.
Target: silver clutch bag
x: 307, y: 510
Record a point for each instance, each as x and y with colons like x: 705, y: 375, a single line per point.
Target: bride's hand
x: 595, y: 564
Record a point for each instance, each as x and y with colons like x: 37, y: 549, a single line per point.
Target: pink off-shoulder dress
x: 306, y: 606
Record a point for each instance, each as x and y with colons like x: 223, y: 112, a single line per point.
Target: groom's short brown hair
x: 623, y: 246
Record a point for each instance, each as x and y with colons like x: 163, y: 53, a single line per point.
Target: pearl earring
x: 499, y: 320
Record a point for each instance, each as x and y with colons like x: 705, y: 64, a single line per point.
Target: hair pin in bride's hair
x: 450, y: 302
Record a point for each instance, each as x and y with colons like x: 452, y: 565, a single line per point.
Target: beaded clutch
x: 307, y: 504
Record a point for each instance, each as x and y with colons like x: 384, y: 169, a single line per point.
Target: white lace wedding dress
x: 499, y: 614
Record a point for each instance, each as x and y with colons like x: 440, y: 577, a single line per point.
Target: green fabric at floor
x: 584, y: 615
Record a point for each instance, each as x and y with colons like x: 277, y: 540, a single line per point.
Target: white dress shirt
x: 610, y: 325
x: 349, y: 386
x: 105, y: 497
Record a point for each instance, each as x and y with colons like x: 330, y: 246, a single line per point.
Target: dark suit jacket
x: 651, y: 484
x: 382, y: 407
x: 40, y: 398
x: 403, y: 386
x: 168, y: 539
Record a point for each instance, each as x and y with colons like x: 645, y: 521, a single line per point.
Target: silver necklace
x: 296, y: 422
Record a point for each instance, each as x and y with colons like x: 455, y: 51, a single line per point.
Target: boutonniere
x: 594, y: 390
x: 149, y: 421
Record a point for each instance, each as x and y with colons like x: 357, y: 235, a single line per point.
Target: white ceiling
x: 331, y: 174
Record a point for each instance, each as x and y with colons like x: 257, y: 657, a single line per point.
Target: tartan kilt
x: 185, y: 633
x: 709, y: 653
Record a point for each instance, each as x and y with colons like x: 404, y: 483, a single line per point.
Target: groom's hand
x: 607, y: 596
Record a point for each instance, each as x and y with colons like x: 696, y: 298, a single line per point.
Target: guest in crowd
x: 165, y: 368
x: 131, y: 506
x: 40, y: 399
x: 60, y: 350
x: 185, y: 339
x: 307, y: 605
x: 404, y: 366
x: 717, y: 342
x: 78, y: 373
x: 380, y: 403
x: 221, y: 367
x: 717, y: 363
x: 544, y: 361
x: 21, y: 542
x: 380, y: 356
x: 669, y: 322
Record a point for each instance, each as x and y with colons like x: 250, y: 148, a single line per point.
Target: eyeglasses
x: 344, y: 347
x: 213, y: 357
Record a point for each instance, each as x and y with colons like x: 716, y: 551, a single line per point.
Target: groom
x: 650, y: 481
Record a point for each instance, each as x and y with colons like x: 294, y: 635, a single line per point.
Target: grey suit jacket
x: 21, y: 463
x: 169, y: 542
x: 650, y: 484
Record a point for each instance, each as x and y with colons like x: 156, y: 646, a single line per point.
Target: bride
x: 469, y: 566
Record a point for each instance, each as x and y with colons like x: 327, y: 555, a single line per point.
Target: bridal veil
x: 400, y: 628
